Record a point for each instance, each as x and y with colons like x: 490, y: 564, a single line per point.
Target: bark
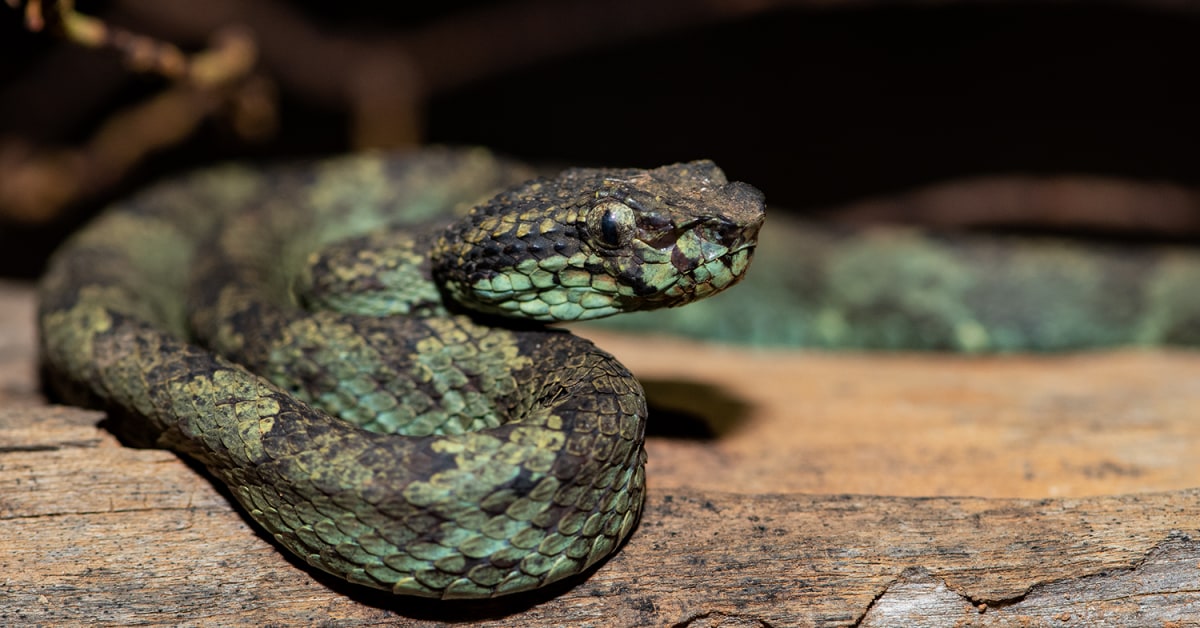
x: 787, y: 489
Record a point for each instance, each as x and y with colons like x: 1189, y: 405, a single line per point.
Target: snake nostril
x: 729, y: 232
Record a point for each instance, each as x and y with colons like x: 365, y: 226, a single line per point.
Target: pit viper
x: 356, y: 347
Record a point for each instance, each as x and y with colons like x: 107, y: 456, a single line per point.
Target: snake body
x: 361, y: 362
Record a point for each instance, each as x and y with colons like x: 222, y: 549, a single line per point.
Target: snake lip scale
x: 346, y: 344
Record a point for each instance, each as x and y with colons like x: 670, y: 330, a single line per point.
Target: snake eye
x: 611, y: 223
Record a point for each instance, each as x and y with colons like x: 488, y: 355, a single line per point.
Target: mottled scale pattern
x: 283, y: 326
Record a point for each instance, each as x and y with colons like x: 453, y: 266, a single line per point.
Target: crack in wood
x: 60, y: 445
x: 720, y: 618
x: 114, y: 511
x: 917, y: 592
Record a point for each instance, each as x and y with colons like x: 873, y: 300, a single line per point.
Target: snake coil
x: 354, y: 356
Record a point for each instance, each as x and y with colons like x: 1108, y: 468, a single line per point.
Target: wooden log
x: 786, y: 490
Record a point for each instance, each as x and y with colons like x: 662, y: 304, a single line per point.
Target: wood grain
x: 786, y: 490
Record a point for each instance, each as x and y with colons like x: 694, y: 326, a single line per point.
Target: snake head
x: 595, y: 242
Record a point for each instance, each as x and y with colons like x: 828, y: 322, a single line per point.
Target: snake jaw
x: 715, y: 269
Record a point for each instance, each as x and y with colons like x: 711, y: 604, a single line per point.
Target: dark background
x: 816, y: 106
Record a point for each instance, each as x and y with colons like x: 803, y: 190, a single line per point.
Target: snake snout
x: 745, y: 207
x: 741, y: 216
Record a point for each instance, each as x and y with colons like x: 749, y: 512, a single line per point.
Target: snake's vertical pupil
x: 614, y: 226
x: 610, y: 229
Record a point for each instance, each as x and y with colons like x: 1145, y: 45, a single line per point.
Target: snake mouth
x: 707, y: 255
x: 709, y: 276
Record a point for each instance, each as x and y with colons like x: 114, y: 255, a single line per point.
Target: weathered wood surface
x: 786, y: 490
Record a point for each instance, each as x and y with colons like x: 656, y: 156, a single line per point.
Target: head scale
x: 591, y: 243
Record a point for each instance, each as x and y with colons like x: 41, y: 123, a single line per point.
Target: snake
x: 362, y: 349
